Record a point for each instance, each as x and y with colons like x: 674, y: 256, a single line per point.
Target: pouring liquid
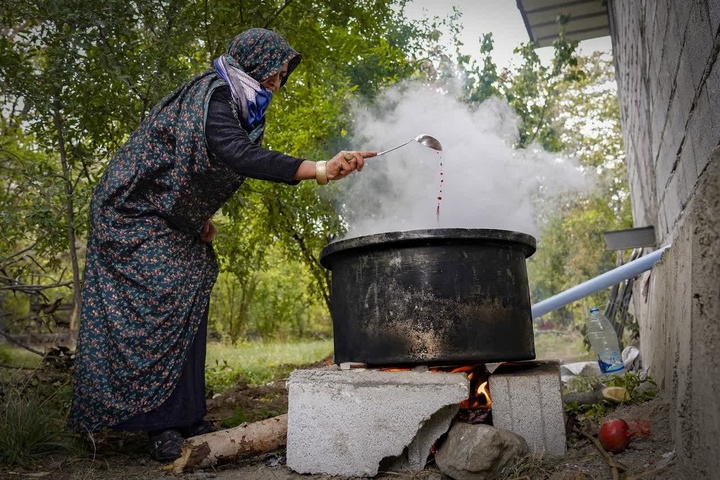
x: 440, y: 191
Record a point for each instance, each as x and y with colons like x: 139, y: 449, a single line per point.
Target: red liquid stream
x: 439, y: 198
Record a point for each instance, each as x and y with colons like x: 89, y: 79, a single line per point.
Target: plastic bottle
x: 604, y: 341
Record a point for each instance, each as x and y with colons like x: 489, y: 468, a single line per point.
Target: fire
x: 480, y: 391
x: 484, y: 392
x: 477, y: 374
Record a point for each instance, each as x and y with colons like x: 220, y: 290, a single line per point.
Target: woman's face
x: 273, y: 83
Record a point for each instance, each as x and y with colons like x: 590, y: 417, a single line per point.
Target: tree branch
x: 277, y: 14
x: 15, y: 342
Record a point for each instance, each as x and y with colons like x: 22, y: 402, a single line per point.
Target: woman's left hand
x: 344, y: 163
x: 208, y: 232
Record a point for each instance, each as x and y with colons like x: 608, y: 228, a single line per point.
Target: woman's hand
x: 344, y: 163
x: 340, y: 166
x: 208, y: 232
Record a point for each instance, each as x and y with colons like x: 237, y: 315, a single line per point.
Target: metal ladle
x: 422, y: 139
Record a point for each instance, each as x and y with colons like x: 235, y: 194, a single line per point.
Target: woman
x: 150, y: 266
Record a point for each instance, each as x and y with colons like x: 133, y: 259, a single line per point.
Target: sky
x: 501, y: 17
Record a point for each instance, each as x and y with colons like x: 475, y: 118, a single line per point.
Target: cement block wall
x: 669, y: 90
x: 668, y: 78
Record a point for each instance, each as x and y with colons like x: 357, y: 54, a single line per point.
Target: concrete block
x: 671, y: 202
x: 689, y: 174
x: 698, y: 43
x: 681, y: 191
x: 673, y: 47
x: 526, y: 399
x: 714, y: 14
x: 681, y: 14
x: 685, y: 95
x: 348, y: 422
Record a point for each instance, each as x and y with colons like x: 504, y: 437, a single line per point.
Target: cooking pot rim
x: 408, y: 237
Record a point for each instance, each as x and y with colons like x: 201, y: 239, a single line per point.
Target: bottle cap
x: 594, y: 310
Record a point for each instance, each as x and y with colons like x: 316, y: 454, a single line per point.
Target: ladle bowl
x: 423, y: 139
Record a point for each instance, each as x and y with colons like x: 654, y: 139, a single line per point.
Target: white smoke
x: 487, y: 183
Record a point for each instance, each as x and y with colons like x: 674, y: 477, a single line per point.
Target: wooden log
x: 614, y: 394
x: 232, y: 444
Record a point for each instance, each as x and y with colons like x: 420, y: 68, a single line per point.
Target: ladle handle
x: 391, y: 149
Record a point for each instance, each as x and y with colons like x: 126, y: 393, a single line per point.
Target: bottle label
x: 610, y: 362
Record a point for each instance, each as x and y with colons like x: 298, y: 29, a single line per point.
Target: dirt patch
x: 247, y: 403
x: 123, y: 455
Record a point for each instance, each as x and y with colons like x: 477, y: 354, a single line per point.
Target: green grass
x: 18, y: 357
x: 31, y: 427
x: 260, y: 362
x: 566, y: 346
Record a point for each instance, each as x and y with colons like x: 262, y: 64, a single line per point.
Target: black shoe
x: 198, y: 428
x: 166, y: 446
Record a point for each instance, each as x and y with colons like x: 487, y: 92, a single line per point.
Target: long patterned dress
x: 148, y: 275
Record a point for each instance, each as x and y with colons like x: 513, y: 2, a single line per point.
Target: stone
x: 352, y: 422
x: 527, y: 400
x: 478, y: 452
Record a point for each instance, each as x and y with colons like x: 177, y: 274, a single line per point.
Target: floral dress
x: 148, y: 275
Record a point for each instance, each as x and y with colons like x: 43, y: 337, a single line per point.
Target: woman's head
x: 264, y: 55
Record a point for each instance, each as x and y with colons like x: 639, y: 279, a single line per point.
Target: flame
x: 480, y: 391
x: 479, y: 399
x: 484, y: 391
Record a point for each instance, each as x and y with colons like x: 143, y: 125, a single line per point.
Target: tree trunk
x: 231, y: 444
x: 70, y: 216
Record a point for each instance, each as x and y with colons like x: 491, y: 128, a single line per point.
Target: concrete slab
x: 527, y: 400
x: 349, y: 422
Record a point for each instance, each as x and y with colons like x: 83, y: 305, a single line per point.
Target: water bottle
x: 605, y: 342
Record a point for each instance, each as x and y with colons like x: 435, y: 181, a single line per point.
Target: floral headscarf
x: 252, y: 57
x: 260, y: 53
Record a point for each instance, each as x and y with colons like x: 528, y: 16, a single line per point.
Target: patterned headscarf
x: 260, y: 53
x: 252, y: 57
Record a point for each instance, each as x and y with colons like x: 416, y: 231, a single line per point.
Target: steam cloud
x: 487, y: 183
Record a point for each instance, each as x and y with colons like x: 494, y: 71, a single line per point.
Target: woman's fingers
x: 208, y: 232
x: 346, y: 162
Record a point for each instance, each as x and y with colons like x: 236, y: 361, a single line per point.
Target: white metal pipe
x: 607, y: 279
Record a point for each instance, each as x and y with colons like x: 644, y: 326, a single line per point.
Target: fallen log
x: 233, y: 443
x: 614, y: 394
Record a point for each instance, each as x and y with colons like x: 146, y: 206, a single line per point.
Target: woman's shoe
x: 198, y: 428
x: 166, y: 446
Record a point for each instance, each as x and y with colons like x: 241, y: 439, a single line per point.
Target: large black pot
x: 435, y: 297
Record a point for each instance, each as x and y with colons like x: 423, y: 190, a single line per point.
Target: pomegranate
x: 615, y: 435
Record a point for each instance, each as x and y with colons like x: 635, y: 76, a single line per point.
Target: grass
x: 29, y: 428
x: 260, y: 362
x: 566, y: 346
x: 19, y: 357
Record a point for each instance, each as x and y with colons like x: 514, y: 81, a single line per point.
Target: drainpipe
x: 607, y: 279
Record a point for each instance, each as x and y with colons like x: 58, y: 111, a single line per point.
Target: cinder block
x: 526, y: 399
x: 348, y: 422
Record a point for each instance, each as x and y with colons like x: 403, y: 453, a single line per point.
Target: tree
x: 568, y: 107
x: 84, y: 77
x: 77, y: 79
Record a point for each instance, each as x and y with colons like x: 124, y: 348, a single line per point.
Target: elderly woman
x: 150, y: 266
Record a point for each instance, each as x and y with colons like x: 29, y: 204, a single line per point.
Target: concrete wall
x: 668, y: 77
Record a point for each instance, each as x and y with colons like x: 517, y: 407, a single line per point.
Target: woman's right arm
x: 230, y: 143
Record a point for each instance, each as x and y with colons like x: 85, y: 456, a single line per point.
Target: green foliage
x: 571, y: 249
x: 32, y: 421
x: 241, y: 415
x: 568, y: 106
x: 78, y: 79
x: 18, y: 357
x: 640, y: 388
x: 259, y: 362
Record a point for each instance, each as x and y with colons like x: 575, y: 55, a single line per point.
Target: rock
x: 478, y: 452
